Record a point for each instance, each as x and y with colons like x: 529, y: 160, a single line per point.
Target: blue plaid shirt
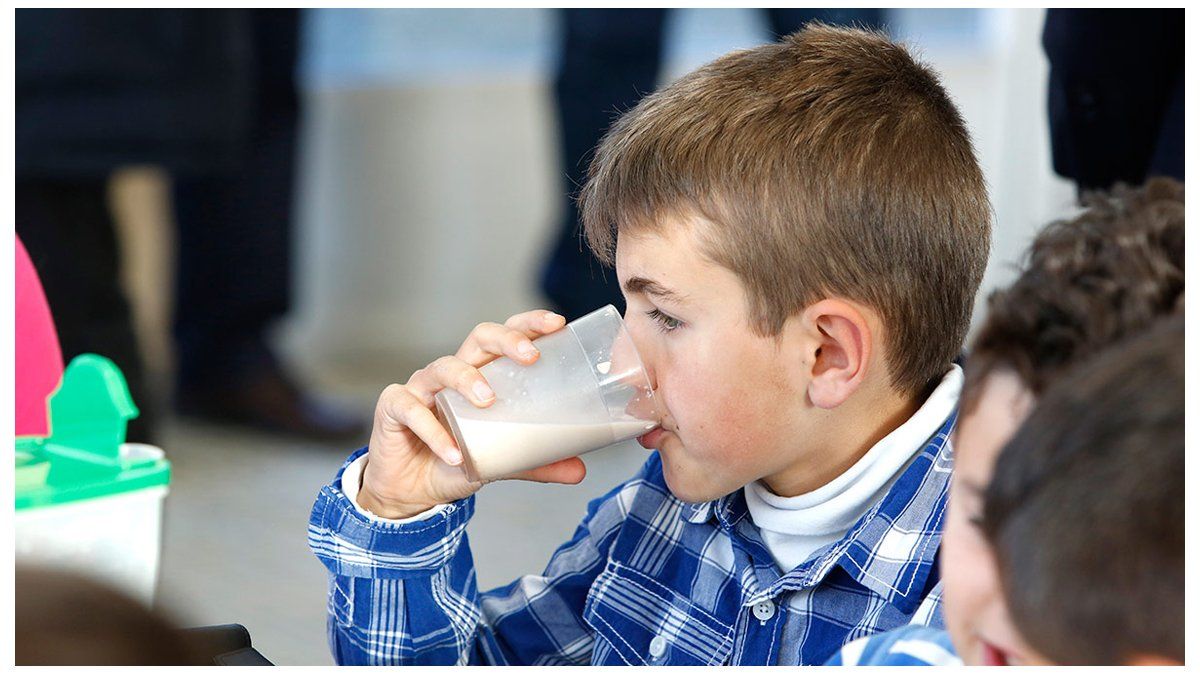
x: 646, y: 579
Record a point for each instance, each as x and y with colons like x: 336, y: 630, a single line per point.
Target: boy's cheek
x: 719, y: 438
x: 717, y: 424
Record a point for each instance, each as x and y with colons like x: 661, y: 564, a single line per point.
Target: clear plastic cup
x: 586, y: 391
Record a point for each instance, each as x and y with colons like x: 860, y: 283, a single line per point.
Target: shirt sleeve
x: 850, y: 654
x: 404, y: 593
x: 910, y: 645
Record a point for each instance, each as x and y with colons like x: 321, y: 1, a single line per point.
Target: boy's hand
x: 413, y: 463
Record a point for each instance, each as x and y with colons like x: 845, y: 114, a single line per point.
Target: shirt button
x: 764, y: 610
x: 658, y: 646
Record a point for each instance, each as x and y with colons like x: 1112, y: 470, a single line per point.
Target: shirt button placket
x: 763, y: 628
x: 764, y: 611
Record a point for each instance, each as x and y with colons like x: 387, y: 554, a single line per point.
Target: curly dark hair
x: 1087, y: 282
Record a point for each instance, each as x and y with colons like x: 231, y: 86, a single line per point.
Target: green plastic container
x: 84, y: 498
x: 43, y: 479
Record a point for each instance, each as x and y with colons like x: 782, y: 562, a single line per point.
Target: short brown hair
x: 1086, y: 507
x: 829, y: 163
x: 1087, y: 282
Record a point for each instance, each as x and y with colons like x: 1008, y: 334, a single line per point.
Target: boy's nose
x: 650, y: 374
x: 644, y: 352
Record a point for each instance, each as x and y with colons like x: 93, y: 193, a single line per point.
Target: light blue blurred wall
x: 390, y: 47
x: 431, y: 183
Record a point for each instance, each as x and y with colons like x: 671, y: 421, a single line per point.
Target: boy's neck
x: 847, y: 434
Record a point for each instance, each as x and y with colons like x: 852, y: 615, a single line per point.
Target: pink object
x: 39, y: 358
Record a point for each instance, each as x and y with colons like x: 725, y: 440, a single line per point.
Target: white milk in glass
x: 499, y: 448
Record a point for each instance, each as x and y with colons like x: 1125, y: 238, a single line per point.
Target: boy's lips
x: 650, y: 439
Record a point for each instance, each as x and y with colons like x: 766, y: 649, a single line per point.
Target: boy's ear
x: 844, y: 345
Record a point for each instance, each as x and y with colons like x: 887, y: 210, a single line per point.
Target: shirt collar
x: 727, y: 510
x: 893, y: 548
x: 699, y: 513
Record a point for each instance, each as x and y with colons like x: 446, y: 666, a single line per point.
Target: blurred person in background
x: 610, y: 58
x: 65, y: 619
x: 209, y: 96
x: 1109, y: 587
x: 234, y: 281
x: 1116, y: 94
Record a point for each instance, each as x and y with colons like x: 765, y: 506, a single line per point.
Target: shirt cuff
x: 349, y: 543
x: 352, y: 482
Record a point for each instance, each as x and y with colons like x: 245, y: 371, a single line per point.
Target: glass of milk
x: 586, y: 391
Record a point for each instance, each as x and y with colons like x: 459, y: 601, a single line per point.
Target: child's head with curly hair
x: 1085, y: 510
x: 1087, y: 283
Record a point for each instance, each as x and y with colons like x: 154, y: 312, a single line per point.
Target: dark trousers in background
x: 234, y: 273
x: 235, y: 262
x: 610, y: 59
x: 234, y: 249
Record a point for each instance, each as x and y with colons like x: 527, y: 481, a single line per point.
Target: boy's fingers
x: 451, y: 372
x: 486, y: 342
x: 570, y: 471
x: 514, y: 339
x: 536, y: 322
x: 402, y: 409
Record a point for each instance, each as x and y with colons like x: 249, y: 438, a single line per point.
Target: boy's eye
x: 666, y: 323
x: 976, y: 521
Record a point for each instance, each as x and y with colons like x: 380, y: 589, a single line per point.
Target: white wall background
x: 429, y: 188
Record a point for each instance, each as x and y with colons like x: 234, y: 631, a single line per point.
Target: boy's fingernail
x: 526, y: 349
x: 482, y: 391
x: 552, y: 318
x: 453, y: 456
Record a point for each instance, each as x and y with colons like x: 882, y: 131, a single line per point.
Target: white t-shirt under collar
x: 794, y: 527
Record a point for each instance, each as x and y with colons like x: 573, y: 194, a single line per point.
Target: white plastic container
x: 102, y: 521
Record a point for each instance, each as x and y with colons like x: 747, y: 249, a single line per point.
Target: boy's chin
x: 690, y: 491
x: 691, y: 497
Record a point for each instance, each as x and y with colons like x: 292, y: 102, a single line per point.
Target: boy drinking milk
x: 799, y: 231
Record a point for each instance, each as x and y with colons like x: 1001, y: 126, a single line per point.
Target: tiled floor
x: 234, y: 546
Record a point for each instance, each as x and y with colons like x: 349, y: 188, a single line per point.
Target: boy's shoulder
x: 912, y: 645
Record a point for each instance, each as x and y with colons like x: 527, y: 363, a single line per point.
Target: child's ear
x: 844, y: 345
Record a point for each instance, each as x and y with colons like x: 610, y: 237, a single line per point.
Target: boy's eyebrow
x: 652, y: 287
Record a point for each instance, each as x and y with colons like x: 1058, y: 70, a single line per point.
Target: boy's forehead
x: 669, y: 256
x: 673, y: 260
